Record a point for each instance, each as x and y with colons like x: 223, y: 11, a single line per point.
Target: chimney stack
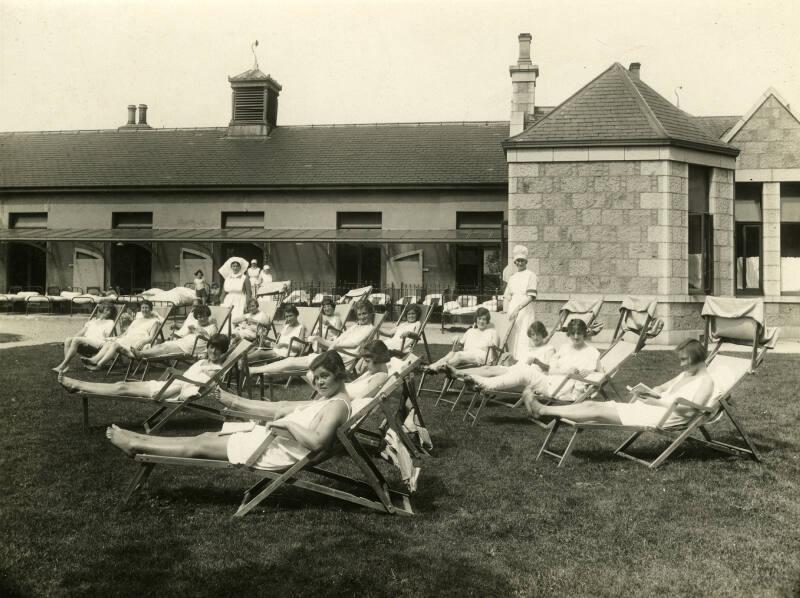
x: 523, y: 87
x: 634, y: 69
x: 143, y: 115
x: 131, y: 115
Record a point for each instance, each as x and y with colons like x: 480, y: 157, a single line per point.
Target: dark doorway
x: 469, y: 261
x: 248, y: 251
x: 748, y: 258
x: 358, y: 265
x: 27, y: 266
x: 130, y: 268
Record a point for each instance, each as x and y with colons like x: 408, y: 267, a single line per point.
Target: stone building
x: 616, y: 191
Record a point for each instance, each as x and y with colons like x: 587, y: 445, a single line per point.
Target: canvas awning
x: 258, y: 235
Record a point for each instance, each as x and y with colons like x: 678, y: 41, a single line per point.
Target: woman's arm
x: 374, y: 385
x: 321, y: 435
x: 701, y: 397
x: 351, y: 339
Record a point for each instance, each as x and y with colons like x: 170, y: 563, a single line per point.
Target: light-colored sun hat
x: 520, y: 252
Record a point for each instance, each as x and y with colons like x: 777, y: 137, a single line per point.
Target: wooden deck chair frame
x: 167, y: 411
x: 220, y: 313
x: 170, y: 375
x: 382, y: 499
x: 700, y: 422
x: 565, y: 315
x: 493, y: 354
x: 343, y: 310
x: 425, y: 314
x: 301, y: 373
x: 164, y: 311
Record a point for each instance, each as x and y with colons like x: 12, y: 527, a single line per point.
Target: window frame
x: 340, y: 225
x: 706, y: 231
x: 14, y: 217
x: 223, y: 220
x: 115, y: 224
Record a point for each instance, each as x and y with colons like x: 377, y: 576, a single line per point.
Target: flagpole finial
x: 253, y: 47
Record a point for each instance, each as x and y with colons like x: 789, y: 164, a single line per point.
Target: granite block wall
x: 769, y: 139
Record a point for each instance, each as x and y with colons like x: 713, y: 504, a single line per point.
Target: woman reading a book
x: 648, y: 406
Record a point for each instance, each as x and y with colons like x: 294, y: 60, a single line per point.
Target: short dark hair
x: 538, y: 329
x: 694, y: 349
x: 328, y: 300
x: 220, y: 342
x: 377, y: 351
x: 110, y: 309
x: 146, y: 302
x: 131, y: 306
x: 366, y: 305
x: 331, y: 361
x: 415, y: 308
x: 290, y: 308
x: 577, y: 325
x: 482, y: 312
x: 201, y: 311
x: 198, y: 273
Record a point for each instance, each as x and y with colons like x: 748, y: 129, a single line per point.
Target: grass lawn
x: 491, y: 521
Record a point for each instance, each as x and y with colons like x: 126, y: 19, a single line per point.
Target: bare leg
x: 113, y: 348
x: 588, y: 411
x: 75, y: 343
x: 114, y: 389
x: 485, y: 371
x: 104, y: 350
x: 290, y: 364
x: 168, y: 348
x: 210, y: 445
x: 437, y: 366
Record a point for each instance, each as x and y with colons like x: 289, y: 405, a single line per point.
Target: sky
x: 77, y: 64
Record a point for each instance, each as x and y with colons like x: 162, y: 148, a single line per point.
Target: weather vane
x: 253, y: 47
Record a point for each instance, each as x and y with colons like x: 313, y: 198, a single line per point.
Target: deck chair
x: 503, y: 326
x: 163, y: 312
x: 166, y: 410
x: 726, y: 371
x: 343, y: 311
x: 738, y: 321
x: 356, y: 295
x: 410, y: 343
x: 350, y: 358
x: 221, y: 314
x: 372, y: 491
x: 586, y: 310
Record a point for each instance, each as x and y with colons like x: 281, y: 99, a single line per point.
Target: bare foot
x: 120, y: 439
x: 450, y: 371
x: 56, y: 369
x: 535, y: 408
x: 67, y: 383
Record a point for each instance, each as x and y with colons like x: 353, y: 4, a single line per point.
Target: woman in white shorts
x: 93, y: 334
x: 301, y: 431
x: 408, y: 329
x: 192, y: 337
x: 199, y: 372
x: 245, y: 327
x: 138, y: 333
x: 475, y: 343
x: 693, y: 384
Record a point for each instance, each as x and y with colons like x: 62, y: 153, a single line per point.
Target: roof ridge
x: 560, y: 106
x: 643, y: 105
x: 126, y: 131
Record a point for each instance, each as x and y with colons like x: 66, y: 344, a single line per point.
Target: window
x: 479, y: 219
x: 242, y: 219
x: 27, y: 220
x: 358, y: 220
x: 747, y: 238
x: 132, y: 220
x: 790, y: 238
x: 701, y: 232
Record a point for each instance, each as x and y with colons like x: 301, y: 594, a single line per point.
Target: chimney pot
x: 524, y: 48
x: 131, y: 114
x: 634, y: 69
x: 142, y: 114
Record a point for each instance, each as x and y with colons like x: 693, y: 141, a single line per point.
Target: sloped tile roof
x: 391, y: 155
x: 615, y: 109
x: 717, y: 125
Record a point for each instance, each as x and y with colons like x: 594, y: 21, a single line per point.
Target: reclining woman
x: 192, y: 336
x: 331, y: 323
x: 408, y: 329
x: 694, y: 384
x: 292, y: 328
x: 138, y: 333
x: 298, y: 432
x: 475, y: 343
x: 576, y: 357
x: 93, y: 334
x: 245, y: 327
x: 200, y: 372
x: 517, y: 376
x: 350, y: 340
x: 374, y: 355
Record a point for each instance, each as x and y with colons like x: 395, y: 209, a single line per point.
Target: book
x: 643, y: 389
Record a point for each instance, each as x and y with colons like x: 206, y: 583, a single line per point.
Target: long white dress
x: 234, y: 294
x: 521, y: 286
